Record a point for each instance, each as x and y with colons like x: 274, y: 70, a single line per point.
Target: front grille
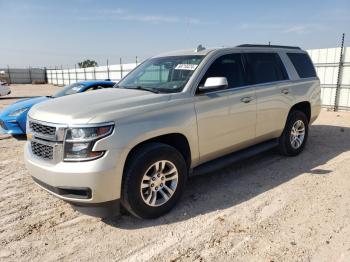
x: 42, y: 151
x: 42, y: 129
x: 2, y: 125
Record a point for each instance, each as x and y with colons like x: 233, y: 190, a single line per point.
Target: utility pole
x: 340, y: 74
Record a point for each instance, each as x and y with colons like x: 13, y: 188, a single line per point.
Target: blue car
x: 13, y: 118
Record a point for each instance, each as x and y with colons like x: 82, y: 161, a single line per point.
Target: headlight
x: 79, y: 142
x: 18, y: 112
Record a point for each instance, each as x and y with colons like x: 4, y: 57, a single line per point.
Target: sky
x: 52, y: 33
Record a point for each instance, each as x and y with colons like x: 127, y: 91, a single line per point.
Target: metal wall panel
x: 326, y: 61
x: 24, y: 75
x: 68, y: 76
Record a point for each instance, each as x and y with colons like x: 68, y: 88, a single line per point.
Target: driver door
x: 226, y: 118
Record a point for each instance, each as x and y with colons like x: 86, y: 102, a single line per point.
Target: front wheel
x: 154, y: 179
x: 295, y: 134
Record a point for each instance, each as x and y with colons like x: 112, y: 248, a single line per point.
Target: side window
x: 302, y: 64
x: 106, y: 86
x: 265, y: 67
x: 229, y: 66
x: 97, y: 87
x: 91, y: 88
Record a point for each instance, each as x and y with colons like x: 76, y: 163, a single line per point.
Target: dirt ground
x: 267, y: 208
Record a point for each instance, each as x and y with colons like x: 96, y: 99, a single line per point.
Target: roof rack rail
x: 271, y: 46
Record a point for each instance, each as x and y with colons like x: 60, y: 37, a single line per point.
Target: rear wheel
x: 295, y: 134
x: 154, y: 179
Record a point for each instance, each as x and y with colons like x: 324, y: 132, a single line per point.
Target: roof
x: 271, y: 46
x: 186, y: 52
x: 244, y: 46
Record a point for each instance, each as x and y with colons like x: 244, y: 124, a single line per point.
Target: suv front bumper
x: 92, y: 184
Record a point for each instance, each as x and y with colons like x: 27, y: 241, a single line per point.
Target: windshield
x: 69, y: 90
x: 162, y: 74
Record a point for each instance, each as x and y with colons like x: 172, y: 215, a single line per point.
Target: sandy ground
x: 268, y: 208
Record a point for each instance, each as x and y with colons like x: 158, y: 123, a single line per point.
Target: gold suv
x: 175, y: 115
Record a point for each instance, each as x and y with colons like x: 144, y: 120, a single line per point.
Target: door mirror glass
x: 214, y: 83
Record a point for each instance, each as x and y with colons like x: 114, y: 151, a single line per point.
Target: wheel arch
x: 304, y: 107
x: 177, y: 140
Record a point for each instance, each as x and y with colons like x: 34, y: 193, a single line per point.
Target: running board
x: 228, y: 160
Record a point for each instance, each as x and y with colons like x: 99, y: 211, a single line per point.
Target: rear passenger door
x: 268, y: 74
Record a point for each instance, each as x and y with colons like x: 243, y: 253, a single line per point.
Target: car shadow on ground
x: 245, y: 180
x: 22, y: 137
x: 4, y: 136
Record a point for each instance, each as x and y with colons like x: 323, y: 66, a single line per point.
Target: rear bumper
x: 315, y: 112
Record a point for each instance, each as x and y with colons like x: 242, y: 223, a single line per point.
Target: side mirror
x: 214, y: 83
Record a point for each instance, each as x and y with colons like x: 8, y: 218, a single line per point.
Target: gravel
x: 266, y: 208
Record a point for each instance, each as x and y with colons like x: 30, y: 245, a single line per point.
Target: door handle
x: 285, y: 91
x: 246, y: 99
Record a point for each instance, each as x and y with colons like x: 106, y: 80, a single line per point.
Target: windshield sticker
x: 186, y: 67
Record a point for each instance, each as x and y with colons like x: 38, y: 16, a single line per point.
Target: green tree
x: 87, y: 63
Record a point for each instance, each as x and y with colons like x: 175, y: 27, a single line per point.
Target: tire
x: 286, y: 146
x: 141, y: 168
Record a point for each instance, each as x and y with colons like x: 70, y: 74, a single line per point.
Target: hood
x: 24, y: 103
x: 96, y: 106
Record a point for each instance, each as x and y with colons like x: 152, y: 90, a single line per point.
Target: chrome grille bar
x: 46, y: 140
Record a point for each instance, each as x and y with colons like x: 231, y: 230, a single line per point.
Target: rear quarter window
x: 302, y: 64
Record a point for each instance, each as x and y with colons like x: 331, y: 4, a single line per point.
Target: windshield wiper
x: 149, y: 89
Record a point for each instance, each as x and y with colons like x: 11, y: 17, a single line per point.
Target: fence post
x: 76, y: 74
x: 62, y: 74
x: 340, y: 74
x: 121, y: 68
x: 30, y: 75
x: 84, y: 73
x: 8, y: 72
x: 68, y: 75
x: 45, y: 75
x: 108, y: 70
x: 56, y: 76
x: 136, y: 60
x: 94, y: 73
